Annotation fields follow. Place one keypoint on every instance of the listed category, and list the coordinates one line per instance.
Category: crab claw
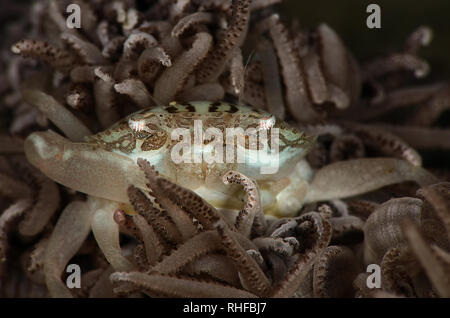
(355, 177)
(82, 166)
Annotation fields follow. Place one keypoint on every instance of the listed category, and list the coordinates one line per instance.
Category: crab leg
(73, 227)
(82, 167)
(106, 232)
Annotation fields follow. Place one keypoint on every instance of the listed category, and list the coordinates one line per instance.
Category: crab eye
(267, 123)
(137, 125)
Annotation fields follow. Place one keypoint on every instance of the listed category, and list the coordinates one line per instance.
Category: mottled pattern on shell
(163, 120)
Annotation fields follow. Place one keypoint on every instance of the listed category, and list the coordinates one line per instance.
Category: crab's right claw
(355, 177)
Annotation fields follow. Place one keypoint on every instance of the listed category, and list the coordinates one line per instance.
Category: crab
(105, 165)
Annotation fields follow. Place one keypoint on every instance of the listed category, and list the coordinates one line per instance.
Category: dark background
(398, 19)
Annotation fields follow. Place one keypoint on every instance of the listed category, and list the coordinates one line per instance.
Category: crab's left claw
(82, 167)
